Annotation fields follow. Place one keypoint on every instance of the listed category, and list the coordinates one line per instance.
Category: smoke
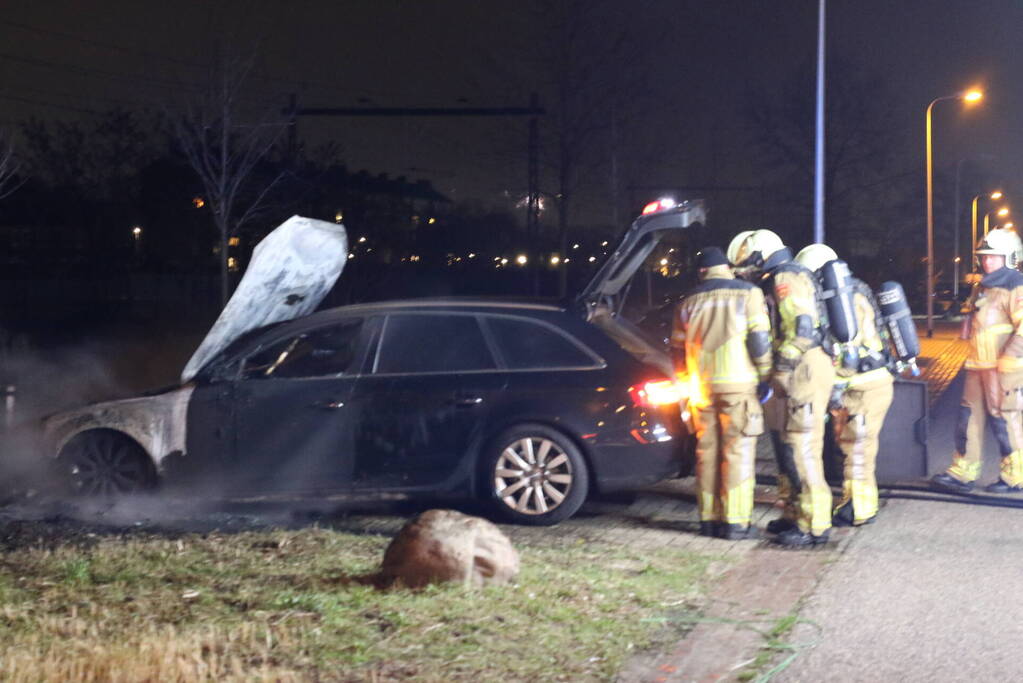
(39, 378)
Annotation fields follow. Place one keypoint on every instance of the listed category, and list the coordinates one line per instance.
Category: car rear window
(433, 343)
(525, 344)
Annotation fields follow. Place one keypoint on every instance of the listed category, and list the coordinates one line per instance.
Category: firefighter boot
(1011, 479)
(946, 483)
(712, 529)
(844, 516)
(794, 538)
(1001, 487)
(781, 525)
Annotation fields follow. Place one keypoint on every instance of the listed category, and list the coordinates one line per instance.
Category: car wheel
(535, 475)
(106, 463)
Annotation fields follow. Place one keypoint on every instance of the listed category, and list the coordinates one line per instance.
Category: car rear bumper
(626, 466)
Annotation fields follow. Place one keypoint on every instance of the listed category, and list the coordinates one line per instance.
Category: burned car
(527, 406)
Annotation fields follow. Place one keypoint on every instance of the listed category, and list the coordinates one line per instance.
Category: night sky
(706, 61)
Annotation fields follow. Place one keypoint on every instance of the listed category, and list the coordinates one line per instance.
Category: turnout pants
(795, 417)
(857, 426)
(726, 444)
(984, 398)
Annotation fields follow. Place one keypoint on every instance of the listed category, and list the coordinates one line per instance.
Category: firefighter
(863, 392)
(721, 336)
(994, 371)
(802, 380)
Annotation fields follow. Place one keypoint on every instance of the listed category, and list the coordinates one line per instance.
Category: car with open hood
(527, 406)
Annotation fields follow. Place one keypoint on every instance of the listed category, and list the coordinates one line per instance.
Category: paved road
(930, 593)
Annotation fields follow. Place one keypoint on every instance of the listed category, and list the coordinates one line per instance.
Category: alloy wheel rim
(533, 475)
(106, 469)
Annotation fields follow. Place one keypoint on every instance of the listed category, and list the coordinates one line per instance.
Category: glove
(764, 392)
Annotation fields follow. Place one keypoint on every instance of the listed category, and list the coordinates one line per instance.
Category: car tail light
(657, 393)
(666, 392)
(659, 205)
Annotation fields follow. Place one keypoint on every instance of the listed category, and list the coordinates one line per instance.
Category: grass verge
(301, 605)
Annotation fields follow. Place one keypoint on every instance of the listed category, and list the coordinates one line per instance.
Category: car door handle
(466, 401)
(329, 405)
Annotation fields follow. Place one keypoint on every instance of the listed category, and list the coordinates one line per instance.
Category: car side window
(326, 352)
(526, 345)
(415, 343)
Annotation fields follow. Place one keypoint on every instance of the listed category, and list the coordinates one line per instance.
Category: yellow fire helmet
(733, 246)
(758, 247)
(1002, 242)
(814, 256)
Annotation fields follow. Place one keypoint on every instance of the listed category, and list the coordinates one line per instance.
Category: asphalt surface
(929, 593)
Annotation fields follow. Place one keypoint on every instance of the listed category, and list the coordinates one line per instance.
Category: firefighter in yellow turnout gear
(721, 335)
(994, 371)
(802, 381)
(866, 388)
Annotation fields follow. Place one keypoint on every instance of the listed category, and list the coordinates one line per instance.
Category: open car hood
(290, 273)
(639, 240)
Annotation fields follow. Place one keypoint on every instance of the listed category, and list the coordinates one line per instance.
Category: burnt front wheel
(535, 475)
(106, 463)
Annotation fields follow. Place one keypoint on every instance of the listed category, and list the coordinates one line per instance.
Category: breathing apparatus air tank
(837, 283)
(906, 345)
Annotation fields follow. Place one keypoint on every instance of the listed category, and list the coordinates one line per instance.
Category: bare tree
(226, 140)
(10, 165)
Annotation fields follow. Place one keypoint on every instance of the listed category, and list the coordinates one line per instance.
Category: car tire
(534, 475)
(105, 463)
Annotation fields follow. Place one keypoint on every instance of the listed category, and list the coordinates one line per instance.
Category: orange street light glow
(973, 95)
(1003, 211)
(997, 194)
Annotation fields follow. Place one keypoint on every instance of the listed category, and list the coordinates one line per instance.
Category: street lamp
(973, 249)
(1001, 213)
(966, 96)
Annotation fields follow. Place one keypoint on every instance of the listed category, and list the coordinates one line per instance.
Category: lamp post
(973, 248)
(955, 223)
(967, 96)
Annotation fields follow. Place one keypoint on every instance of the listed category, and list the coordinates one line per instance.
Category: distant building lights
(136, 232)
(592, 259)
(521, 259)
(198, 202)
(351, 255)
(362, 239)
(432, 221)
(664, 261)
(338, 217)
(575, 246)
(504, 262)
(555, 260)
(604, 243)
(471, 255)
(233, 241)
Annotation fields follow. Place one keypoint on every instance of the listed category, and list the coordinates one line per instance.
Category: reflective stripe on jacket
(723, 331)
(996, 329)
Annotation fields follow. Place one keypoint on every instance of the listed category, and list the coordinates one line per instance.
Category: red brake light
(659, 205)
(658, 393)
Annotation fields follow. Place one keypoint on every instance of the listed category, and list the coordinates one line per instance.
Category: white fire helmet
(1002, 242)
(733, 246)
(814, 256)
(759, 246)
